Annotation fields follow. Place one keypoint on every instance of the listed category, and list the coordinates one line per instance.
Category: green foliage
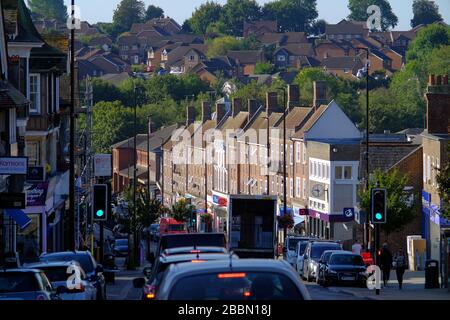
(318, 27)
(428, 39)
(291, 15)
(264, 68)
(358, 12)
(111, 29)
(286, 221)
(48, 9)
(443, 180)
(127, 13)
(85, 40)
(104, 91)
(138, 68)
(204, 16)
(220, 46)
(399, 212)
(425, 12)
(147, 210)
(235, 12)
(182, 211)
(153, 12)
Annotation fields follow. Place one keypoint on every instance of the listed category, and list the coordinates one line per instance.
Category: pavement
(413, 289)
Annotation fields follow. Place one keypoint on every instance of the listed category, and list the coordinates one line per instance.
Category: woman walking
(400, 264)
(385, 263)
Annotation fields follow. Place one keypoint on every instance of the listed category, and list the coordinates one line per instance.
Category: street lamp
(71, 223)
(284, 152)
(366, 225)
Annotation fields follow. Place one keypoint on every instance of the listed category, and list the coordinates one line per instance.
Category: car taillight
(78, 290)
(247, 294)
(41, 297)
(150, 291)
(195, 251)
(231, 275)
(150, 296)
(197, 261)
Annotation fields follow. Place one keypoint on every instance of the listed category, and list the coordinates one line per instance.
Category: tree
(264, 68)
(203, 16)
(358, 12)
(425, 12)
(286, 222)
(318, 27)
(48, 9)
(236, 12)
(428, 39)
(182, 211)
(443, 180)
(291, 15)
(104, 91)
(153, 12)
(220, 46)
(399, 209)
(127, 13)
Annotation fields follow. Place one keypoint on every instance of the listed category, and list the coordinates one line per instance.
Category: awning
(19, 217)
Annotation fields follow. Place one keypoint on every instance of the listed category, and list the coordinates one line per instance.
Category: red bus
(171, 226)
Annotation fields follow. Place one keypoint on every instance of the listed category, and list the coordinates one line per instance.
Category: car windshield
(293, 243)
(121, 242)
(83, 259)
(326, 257)
(317, 251)
(236, 286)
(302, 247)
(55, 274)
(176, 227)
(18, 282)
(347, 259)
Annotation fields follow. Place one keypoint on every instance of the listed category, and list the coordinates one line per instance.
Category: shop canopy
(19, 217)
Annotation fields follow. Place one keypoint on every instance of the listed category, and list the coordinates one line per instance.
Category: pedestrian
(400, 265)
(356, 247)
(385, 263)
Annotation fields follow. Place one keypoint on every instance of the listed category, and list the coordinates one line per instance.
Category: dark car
(120, 248)
(345, 268)
(323, 263)
(193, 249)
(93, 270)
(169, 241)
(155, 274)
(311, 257)
(26, 284)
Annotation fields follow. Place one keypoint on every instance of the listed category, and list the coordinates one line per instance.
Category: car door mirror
(147, 271)
(99, 268)
(139, 283)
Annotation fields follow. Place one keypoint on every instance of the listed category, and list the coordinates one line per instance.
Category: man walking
(356, 247)
(385, 263)
(400, 265)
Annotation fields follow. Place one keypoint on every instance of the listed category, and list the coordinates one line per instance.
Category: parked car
(93, 270)
(345, 267)
(300, 251)
(193, 249)
(323, 263)
(233, 279)
(58, 272)
(290, 246)
(155, 274)
(313, 252)
(26, 284)
(120, 247)
(154, 232)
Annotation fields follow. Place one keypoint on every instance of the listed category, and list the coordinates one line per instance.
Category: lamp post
(71, 222)
(135, 238)
(366, 224)
(149, 119)
(284, 155)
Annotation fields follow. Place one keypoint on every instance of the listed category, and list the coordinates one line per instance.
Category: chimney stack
(252, 108)
(438, 105)
(271, 102)
(190, 115)
(221, 111)
(320, 94)
(293, 96)
(236, 107)
(206, 111)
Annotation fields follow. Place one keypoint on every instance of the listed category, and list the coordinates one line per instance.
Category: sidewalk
(413, 289)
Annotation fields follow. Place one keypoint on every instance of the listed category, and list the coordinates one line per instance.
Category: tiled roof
(271, 38)
(246, 56)
(346, 27)
(302, 49)
(300, 132)
(341, 62)
(10, 97)
(295, 37)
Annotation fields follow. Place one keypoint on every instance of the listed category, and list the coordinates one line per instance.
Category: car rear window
(346, 259)
(83, 259)
(185, 240)
(55, 274)
(317, 251)
(18, 282)
(236, 286)
(292, 243)
(303, 247)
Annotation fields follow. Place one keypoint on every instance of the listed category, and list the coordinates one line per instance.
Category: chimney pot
(221, 111)
(252, 108)
(271, 102)
(206, 111)
(431, 80)
(236, 107)
(293, 95)
(190, 115)
(445, 79)
(439, 80)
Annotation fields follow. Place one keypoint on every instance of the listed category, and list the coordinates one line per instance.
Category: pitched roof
(127, 39)
(271, 38)
(346, 27)
(17, 14)
(300, 132)
(157, 138)
(179, 52)
(295, 37)
(302, 49)
(10, 97)
(341, 62)
(246, 56)
(256, 25)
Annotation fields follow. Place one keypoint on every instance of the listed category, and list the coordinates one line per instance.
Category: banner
(37, 194)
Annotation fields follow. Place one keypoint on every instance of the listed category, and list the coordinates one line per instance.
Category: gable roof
(346, 27)
(270, 25)
(341, 62)
(300, 131)
(246, 56)
(302, 49)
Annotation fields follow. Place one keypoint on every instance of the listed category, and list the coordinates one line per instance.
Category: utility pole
(135, 247)
(71, 218)
(285, 107)
(149, 119)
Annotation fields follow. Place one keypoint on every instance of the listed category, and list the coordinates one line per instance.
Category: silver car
(232, 279)
(311, 257)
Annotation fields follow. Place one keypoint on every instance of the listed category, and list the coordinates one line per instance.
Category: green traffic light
(378, 216)
(99, 213)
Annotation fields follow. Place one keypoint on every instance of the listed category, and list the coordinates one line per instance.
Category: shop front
(299, 219)
(219, 205)
(331, 226)
(431, 226)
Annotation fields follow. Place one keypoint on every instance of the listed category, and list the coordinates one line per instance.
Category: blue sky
(330, 10)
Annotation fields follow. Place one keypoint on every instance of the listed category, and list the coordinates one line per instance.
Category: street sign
(349, 212)
(13, 165)
(102, 165)
(360, 217)
(36, 174)
(12, 201)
